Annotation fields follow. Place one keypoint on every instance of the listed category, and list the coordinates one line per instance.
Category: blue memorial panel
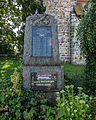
(41, 41)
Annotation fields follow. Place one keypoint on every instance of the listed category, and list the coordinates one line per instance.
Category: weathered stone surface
(76, 57)
(27, 70)
(41, 20)
(39, 64)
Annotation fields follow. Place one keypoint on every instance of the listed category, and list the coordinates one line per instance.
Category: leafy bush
(71, 106)
(86, 34)
(6, 48)
(18, 103)
(76, 80)
(16, 79)
(7, 67)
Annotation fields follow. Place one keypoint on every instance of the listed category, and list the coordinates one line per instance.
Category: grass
(74, 74)
(8, 65)
(73, 70)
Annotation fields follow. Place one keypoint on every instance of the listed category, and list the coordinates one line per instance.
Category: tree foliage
(86, 34)
(28, 8)
(13, 14)
(7, 35)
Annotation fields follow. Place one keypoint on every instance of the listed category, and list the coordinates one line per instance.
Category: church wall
(76, 57)
(61, 10)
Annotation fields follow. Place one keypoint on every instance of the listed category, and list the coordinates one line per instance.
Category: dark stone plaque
(43, 80)
(41, 41)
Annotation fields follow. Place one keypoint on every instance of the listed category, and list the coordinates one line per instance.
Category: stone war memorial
(42, 70)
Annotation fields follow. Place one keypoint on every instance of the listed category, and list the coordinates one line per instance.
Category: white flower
(87, 105)
(62, 91)
(85, 95)
(66, 101)
(58, 98)
(57, 93)
(90, 98)
(77, 98)
(67, 86)
(75, 111)
(71, 103)
(62, 104)
(72, 86)
(82, 101)
(10, 89)
(68, 109)
(72, 114)
(80, 88)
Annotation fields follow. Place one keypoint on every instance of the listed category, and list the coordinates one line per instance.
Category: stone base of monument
(49, 79)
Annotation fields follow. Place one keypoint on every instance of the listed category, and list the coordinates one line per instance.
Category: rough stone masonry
(67, 21)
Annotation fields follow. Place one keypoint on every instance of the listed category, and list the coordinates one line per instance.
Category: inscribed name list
(43, 80)
(41, 41)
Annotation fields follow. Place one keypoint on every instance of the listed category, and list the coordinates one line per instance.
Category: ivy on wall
(86, 34)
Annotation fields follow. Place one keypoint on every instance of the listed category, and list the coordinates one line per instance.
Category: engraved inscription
(43, 80)
(41, 41)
